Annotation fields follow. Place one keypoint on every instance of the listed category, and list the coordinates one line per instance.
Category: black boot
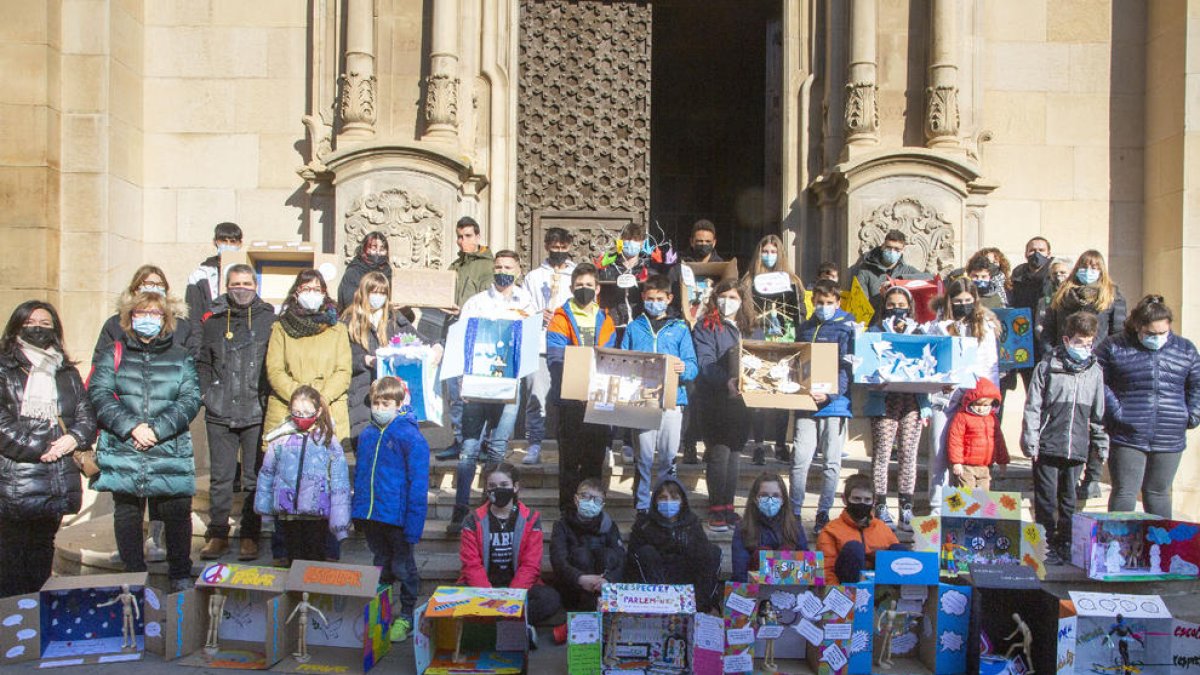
(759, 455)
(783, 453)
(689, 454)
(456, 520)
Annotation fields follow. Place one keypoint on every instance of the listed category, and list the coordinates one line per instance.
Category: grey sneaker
(533, 455)
(906, 516)
(884, 516)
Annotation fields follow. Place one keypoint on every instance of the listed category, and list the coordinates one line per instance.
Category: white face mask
(377, 300)
(728, 306)
(311, 300)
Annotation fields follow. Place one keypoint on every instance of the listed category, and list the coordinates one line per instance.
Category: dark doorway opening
(715, 121)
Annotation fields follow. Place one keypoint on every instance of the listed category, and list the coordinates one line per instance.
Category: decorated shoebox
(1119, 634)
(914, 363)
(785, 375)
(621, 388)
(462, 631)
(243, 613)
(491, 356)
(1016, 338)
(347, 620)
(1131, 546)
(416, 364)
(696, 283)
(1011, 615)
(276, 264)
(980, 527)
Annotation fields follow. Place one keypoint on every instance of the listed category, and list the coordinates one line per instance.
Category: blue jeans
(395, 556)
(454, 396)
(500, 419)
(535, 407)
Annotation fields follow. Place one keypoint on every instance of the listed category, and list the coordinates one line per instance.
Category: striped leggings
(902, 417)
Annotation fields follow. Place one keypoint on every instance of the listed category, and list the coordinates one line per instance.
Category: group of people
(288, 391)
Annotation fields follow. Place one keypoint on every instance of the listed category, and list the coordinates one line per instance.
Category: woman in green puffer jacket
(145, 391)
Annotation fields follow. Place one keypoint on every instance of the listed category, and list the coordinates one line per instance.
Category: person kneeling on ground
(668, 546)
(586, 551)
(850, 541)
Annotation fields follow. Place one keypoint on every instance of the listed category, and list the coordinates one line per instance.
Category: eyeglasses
(306, 289)
(148, 312)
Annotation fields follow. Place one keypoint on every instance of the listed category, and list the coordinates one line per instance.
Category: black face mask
(242, 297)
(558, 258)
(702, 250)
(38, 336)
(1036, 260)
(375, 259)
(896, 313)
(861, 513)
(502, 497)
(583, 296)
(962, 311)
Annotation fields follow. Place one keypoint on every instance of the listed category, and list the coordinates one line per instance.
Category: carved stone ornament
(358, 98)
(411, 223)
(862, 111)
(930, 235)
(441, 100)
(941, 118)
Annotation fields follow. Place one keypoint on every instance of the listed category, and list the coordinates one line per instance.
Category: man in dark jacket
(233, 381)
(882, 263)
(203, 288)
(703, 243)
(1030, 283)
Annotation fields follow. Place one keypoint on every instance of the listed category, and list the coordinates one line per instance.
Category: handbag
(86, 460)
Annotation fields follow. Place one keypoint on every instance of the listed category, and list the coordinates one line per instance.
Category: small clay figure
(1155, 559)
(948, 548)
(216, 612)
(304, 608)
(129, 611)
(768, 616)
(890, 623)
(1124, 633)
(1025, 644)
(1134, 560)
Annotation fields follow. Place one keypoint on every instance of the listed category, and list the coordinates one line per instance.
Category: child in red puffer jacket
(974, 442)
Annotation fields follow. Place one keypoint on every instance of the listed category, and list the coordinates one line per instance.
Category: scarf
(41, 389)
(300, 324)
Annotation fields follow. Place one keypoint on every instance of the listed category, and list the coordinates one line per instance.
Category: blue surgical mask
(590, 508)
(631, 247)
(891, 256)
(1078, 354)
(669, 508)
(227, 248)
(1087, 275)
(503, 280)
(656, 308)
(147, 326)
(770, 506)
(377, 300)
(383, 416)
(1155, 342)
(825, 312)
(769, 259)
(984, 285)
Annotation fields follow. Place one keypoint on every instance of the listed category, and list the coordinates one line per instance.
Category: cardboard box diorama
(1120, 634)
(1130, 546)
(696, 283)
(463, 630)
(914, 363)
(1012, 618)
(414, 362)
(344, 626)
(785, 375)
(621, 388)
(653, 629)
(276, 264)
(980, 527)
(492, 355)
(242, 612)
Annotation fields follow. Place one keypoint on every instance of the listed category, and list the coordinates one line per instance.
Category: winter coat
(871, 271)
(1054, 321)
(391, 475)
(474, 552)
(352, 277)
(201, 293)
(790, 304)
(362, 376)
(744, 553)
(681, 543)
(156, 383)
(840, 331)
(1064, 410)
(186, 335)
(231, 363)
(1151, 398)
(30, 488)
(674, 338)
(724, 420)
(976, 440)
(876, 536)
(321, 361)
(564, 332)
(302, 476)
(622, 304)
(474, 272)
(598, 539)
(1028, 286)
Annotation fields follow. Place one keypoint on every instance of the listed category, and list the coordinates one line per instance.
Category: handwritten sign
(837, 602)
(741, 604)
(834, 656)
(328, 576)
(740, 636)
(810, 631)
(838, 631)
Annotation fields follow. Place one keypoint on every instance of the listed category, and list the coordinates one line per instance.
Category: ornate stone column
(941, 111)
(441, 87)
(358, 82)
(862, 111)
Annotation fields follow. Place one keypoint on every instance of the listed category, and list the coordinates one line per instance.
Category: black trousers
(541, 604)
(589, 561)
(1054, 480)
(649, 566)
(26, 554)
(581, 448)
(394, 556)
(223, 445)
(176, 515)
(305, 539)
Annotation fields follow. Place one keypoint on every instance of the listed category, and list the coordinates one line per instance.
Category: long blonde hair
(1106, 289)
(781, 263)
(357, 314)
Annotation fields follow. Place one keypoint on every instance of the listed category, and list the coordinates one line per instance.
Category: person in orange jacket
(975, 442)
(849, 542)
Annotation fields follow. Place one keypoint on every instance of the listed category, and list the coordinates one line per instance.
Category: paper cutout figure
(1124, 633)
(129, 611)
(891, 624)
(1112, 557)
(304, 608)
(1025, 644)
(216, 612)
(1155, 559)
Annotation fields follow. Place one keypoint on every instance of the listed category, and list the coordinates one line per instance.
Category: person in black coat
(586, 550)
(45, 415)
(233, 382)
(668, 546)
(372, 256)
(150, 279)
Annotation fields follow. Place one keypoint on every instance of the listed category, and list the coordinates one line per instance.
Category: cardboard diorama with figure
(1013, 620)
(276, 264)
(339, 619)
(463, 630)
(785, 375)
(914, 363)
(1134, 546)
(1118, 634)
(621, 388)
(980, 527)
(243, 612)
(696, 283)
(416, 363)
(492, 355)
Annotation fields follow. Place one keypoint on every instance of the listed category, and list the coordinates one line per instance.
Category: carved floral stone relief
(930, 235)
(412, 224)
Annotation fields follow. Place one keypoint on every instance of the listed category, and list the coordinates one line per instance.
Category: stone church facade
(131, 127)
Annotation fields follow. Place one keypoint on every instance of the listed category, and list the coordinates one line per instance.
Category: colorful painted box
(1016, 338)
(914, 363)
(250, 608)
(784, 626)
(415, 365)
(621, 388)
(980, 527)
(1133, 546)
(1115, 633)
(1004, 595)
(463, 630)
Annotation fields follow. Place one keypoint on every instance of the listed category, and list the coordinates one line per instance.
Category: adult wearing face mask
(1030, 278)
(850, 541)
(149, 279)
(884, 262)
(668, 546)
(703, 244)
(1151, 400)
(232, 371)
(766, 525)
(145, 391)
(202, 288)
(372, 256)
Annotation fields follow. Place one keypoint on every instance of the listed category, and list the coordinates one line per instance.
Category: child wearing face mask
(621, 291)
(304, 483)
(668, 546)
(586, 551)
(767, 524)
(850, 541)
(391, 484)
(974, 441)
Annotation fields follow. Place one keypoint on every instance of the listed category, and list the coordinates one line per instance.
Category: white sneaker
(154, 548)
(533, 455)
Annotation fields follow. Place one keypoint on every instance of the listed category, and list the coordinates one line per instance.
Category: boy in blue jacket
(825, 429)
(656, 330)
(391, 486)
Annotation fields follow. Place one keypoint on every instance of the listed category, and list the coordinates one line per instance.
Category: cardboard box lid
(1008, 577)
(455, 601)
(328, 578)
(96, 581)
(1089, 603)
(244, 577)
(817, 372)
(647, 599)
(420, 287)
(714, 270)
(918, 568)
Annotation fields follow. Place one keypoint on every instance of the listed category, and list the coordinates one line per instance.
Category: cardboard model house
(1115, 633)
(621, 388)
(655, 628)
(696, 284)
(276, 264)
(914, 363)
(980, 527)
(785, 375)
(1009, 607)
(249, 608)
(462, 631)
(491, 356)
(1129, 546)
(414, 363)
(347, 627)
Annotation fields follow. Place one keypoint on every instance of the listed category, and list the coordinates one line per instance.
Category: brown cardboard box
(253, 633)
(69, 604)
(424, 288)
(815, 369)
(276, 264)
(21, 630)
(713, 274)
(174, 624)
(606, 377)
(353, 636)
